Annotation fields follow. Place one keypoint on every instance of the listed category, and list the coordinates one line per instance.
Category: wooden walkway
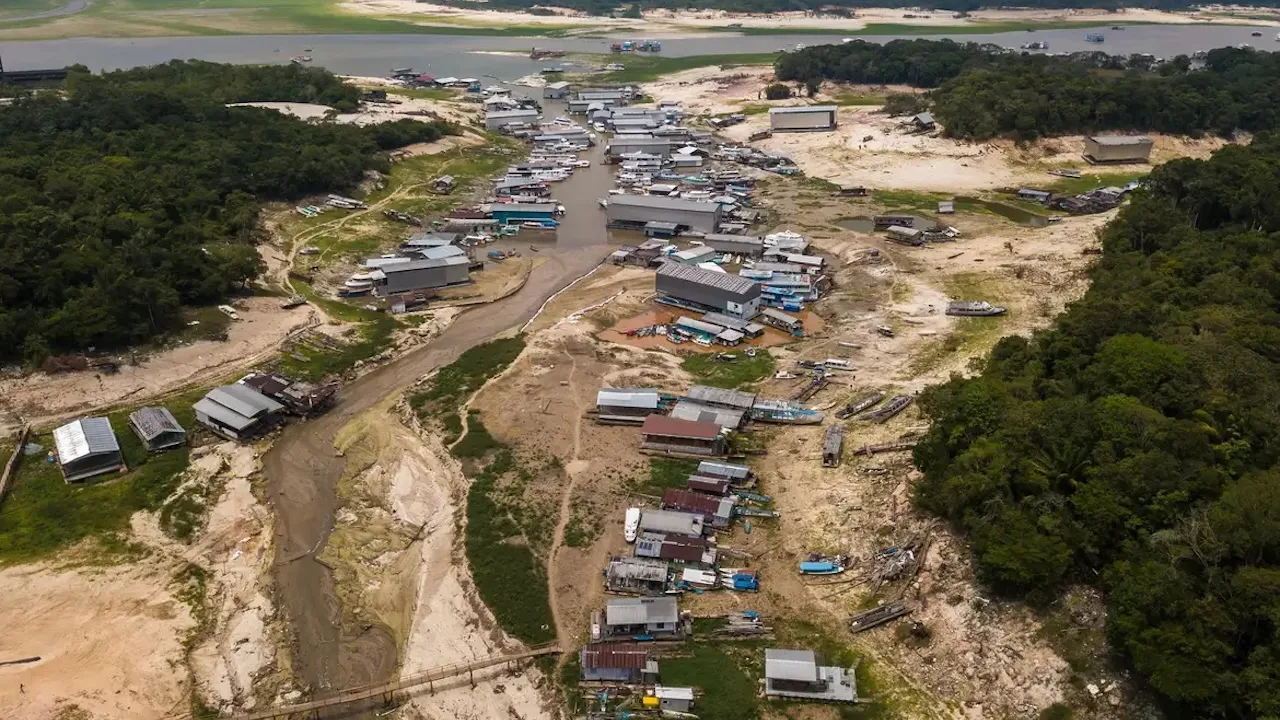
(384, 691)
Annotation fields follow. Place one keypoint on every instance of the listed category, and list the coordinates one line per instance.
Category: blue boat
(820, 567)
(1095, 37)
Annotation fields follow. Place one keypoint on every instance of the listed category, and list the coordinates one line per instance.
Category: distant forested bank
(981, 93)
(1136, 444)
(828, 7)
(137, 192)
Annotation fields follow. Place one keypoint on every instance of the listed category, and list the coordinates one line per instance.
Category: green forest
(136, 193)
(1136, 444)
(980, 93)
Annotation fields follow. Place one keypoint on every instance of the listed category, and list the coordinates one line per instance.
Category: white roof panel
(84, 437)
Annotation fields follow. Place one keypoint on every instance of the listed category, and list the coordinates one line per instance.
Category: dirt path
(303, 468)
(573, 468)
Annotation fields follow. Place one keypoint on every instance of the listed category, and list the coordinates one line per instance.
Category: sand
(676, 23)
(41, 398)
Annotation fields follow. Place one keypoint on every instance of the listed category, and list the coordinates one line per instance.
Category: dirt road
(302, 468)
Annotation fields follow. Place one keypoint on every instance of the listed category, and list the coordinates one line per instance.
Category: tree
(811, 86)
(777, 91)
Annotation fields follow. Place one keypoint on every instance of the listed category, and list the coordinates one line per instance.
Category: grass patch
(725, 673)
(651, 67)
(315, 363)
(585, 524)
(753, 109)
(1091, 181)
(666, 473)
(426, 93)
(507, 574)
(909, 201)
(709, 371)
(191, 586)
(43, 514)
(448, 389)
(477, 441)
(848, 97)
(973, 336)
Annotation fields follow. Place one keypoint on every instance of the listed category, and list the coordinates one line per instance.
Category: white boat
(603, 202)
(631, 525)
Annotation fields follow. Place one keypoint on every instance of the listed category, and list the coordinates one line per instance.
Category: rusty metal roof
(671, 427)
(623, 656)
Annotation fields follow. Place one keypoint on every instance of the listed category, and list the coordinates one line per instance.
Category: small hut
(157, 428)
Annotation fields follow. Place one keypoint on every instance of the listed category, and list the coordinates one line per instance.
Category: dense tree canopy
(1138, 440)
(138, 192)
(981, 93)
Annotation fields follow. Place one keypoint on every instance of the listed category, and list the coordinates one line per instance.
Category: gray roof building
(1117, 148)
(641, 611)
(157, 428)
(715, 291)
(419, 275)
(796, 674)
(727, 418)
(87, 447)
(803, 118)
(721, 397)
(427, 238)
(730, 471)
(636, 210)
(749, 245)
(237, 411)
(671, 522)
(498, 119)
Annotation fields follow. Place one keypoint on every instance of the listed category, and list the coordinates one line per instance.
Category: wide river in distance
(463, 56)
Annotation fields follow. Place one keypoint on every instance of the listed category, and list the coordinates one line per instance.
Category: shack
(555, 91)
(675, 699)
(617, 662)
(880, 222)
(500, 119)
(905, 235)
(748, 329)
(715, 511)
(695, 255)
(238, 412)
(682, 437)
(1103, 149)
(695, 288)
(648, 617)
(87, 447)
(736, 474)
(157, 428)
(797, 674)
(725, 418)
(628, 407)
(782, 321)
(832, 446)
(298, 398)
(636, 575)
(923, 121)
(679, 548)
(721, 397)
(804, 118)
(708, 485)
(444, 184)
(669, 522)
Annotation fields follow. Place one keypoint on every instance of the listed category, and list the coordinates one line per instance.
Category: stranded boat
(784, 412)
(863, 403)
(896, 404)
(979, 308)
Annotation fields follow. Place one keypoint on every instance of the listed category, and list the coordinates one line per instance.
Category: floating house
(636, 575)
(555, 91)
(418, 275)
(669, 522)
(803, 118)
(1103, 149)
(87, 448)
(682, 437)
(782, 321)
(736, 474)
(715, 511)
(634, 211)
(630, 407)
(796, 674)
(500, 119)
(832, 446)
(238, 412)
(694, 287)
(679, 548)
(157, 428)
(643, 616)
(617, 662)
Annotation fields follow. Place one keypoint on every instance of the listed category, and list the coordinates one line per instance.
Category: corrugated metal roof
(720, 281)
(1121, 139)
(222, 414)
(802, 109)
(690, 501)
(244, 400)
(522, 207)
(497, 114)
(700, 326)
(694, 253)
(84, 437)
(693, 411)
(715, 486)
(781, 316)
(711, 468)
(667, 521)
(721, 396)
(645, 399)
(924, 118)
(439, 253)
(670, 427)
(725, 321)
(614, 656)
(423, 264)
(661, 202)
(643, 570)
(641, 611)
(151, 422)
(799, 665)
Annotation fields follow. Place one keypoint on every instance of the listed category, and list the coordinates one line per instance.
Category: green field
(651, 67)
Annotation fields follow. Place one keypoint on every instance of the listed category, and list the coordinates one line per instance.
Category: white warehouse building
(803, 118)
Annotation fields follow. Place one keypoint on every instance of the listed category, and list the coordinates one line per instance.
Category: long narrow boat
(857, 406)
(896, 404)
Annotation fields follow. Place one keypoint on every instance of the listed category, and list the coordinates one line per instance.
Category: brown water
(302, 468)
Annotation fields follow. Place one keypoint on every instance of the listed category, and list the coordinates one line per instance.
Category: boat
(1277, 37)
(1117, 27)
(896, 404)
(615, 66)
(401, 71)
(1256, 33)
(631, 525)
(299, 59)
(978, 308)
(820, 567)
(1095, 37)
(863, 403)
(784, 412)
(552, 70)
(1037, 45)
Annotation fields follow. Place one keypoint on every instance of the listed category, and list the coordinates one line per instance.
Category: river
(302, 468)
(463, 56)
